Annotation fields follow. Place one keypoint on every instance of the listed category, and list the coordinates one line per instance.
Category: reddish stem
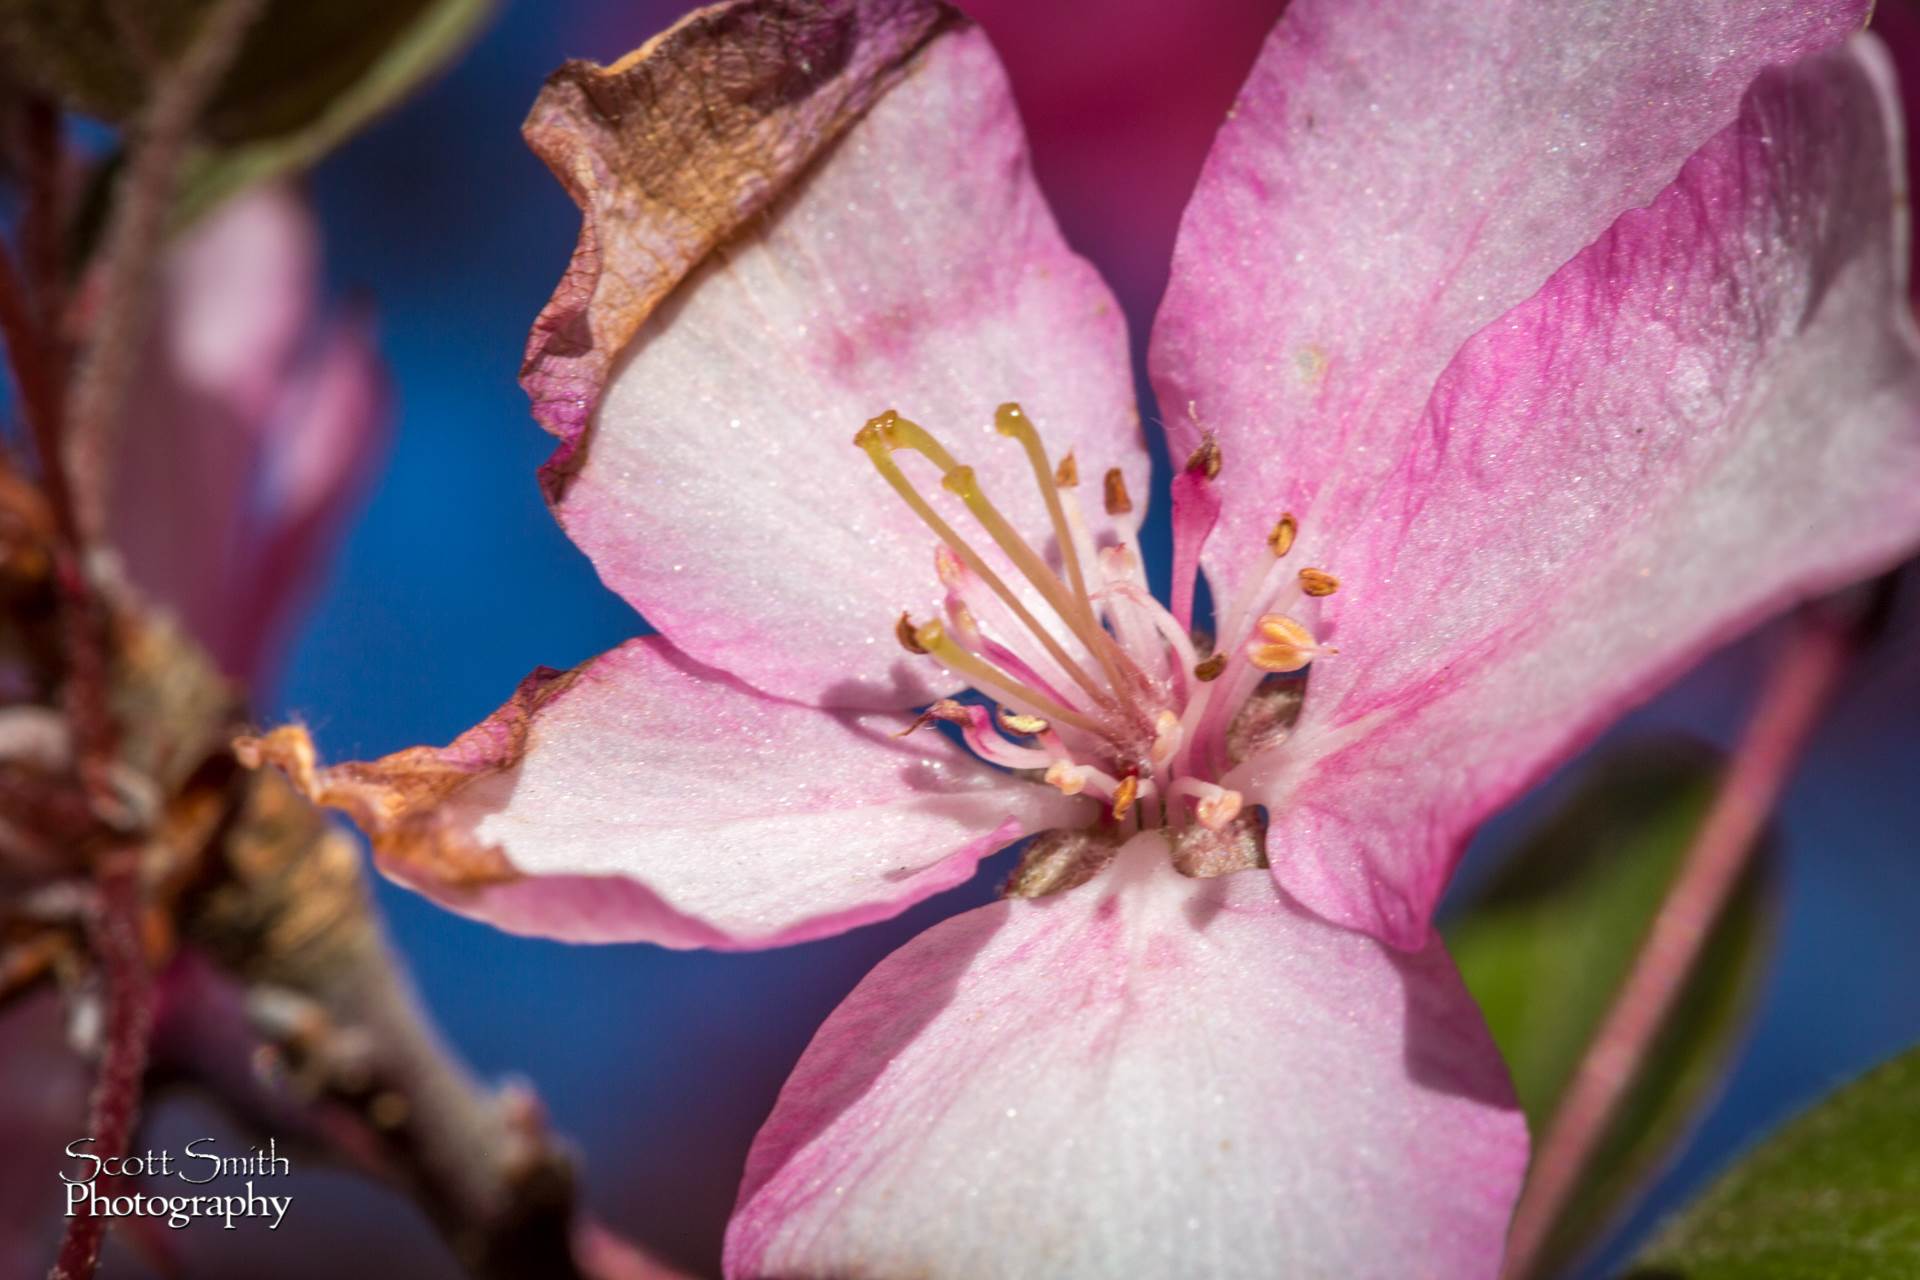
(1797, 690)
(123, 1060)
(42, 245)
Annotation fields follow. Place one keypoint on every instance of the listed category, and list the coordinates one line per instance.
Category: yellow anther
(1218, 809)
(889, 431)
(1166, 738)
(1118, 501)
(1070, 778)
(1280, 541)
(1318, 582)
(1124, 796)
(930, 636)
(903, 632)
(1020, 724)
(1281, 644)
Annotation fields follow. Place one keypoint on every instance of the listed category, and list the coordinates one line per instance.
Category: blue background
(455, 582)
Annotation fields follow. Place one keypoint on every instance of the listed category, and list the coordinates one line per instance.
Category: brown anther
(1118, 503)
(1210, 668)
(1019, 723)
(1124, 796)
(1280, 541)
(1206, 459)
(944, 709)
(1067, 474)
(903, 632)
(1318, 582)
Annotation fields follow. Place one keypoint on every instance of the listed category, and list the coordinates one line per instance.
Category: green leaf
(306, 77)
(434, 34)
(1834, 1194)
(1547, 946)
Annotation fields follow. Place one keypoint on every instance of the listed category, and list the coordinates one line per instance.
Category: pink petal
(237, 297)
(1711, 412)
(249, 439)
(817, 277)
(1394, 177)
(1145, 1076)
(323, 440)
(642, 797)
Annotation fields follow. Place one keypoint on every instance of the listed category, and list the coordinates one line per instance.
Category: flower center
(1100, 689)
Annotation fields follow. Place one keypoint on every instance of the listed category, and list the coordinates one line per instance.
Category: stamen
(1206, 459)
(1076, 613)
(1071, 778)
(1008, 420)
(947, 567)
(1124, 795)
(1282, 644)
(1162, 622)
(1067, 474)
(1214, 806)
(1318, 582)
(1280, 541)
(1118, 502)
(1020, 724)
(1166, 739)
(903, 632)
(941, 709)
(933, 637)
(977, 729)
(878, 440)
(1211, 668)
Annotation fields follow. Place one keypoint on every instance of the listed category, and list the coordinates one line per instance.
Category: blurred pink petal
(646, 798)
(1709, 413)
(252, 431)
(712, 479)
(1148, 1076)
(1392, 178)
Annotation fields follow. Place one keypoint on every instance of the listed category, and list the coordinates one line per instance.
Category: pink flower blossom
(255, 425)
(1514, 355)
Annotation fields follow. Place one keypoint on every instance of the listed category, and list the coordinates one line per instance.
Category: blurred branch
(131, 249)
(351, 1056)
(115, 1108)
(1797, 690)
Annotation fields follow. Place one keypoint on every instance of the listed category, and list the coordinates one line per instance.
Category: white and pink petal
(642, 797)
(1711, 412)
(1148, 1075)
(777, 248)
(1393, 177)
